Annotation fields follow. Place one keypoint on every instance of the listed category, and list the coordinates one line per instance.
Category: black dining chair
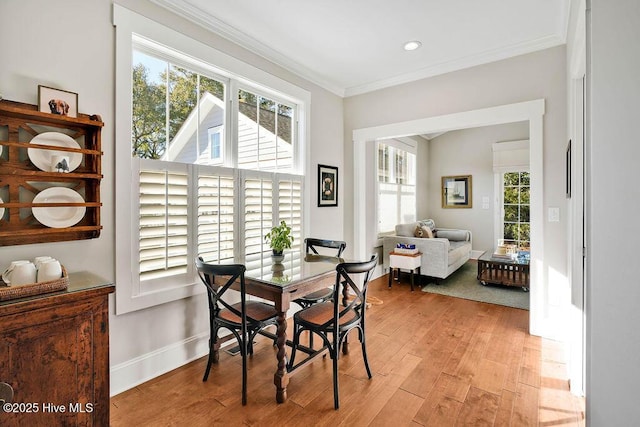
(243, 319)
(335, 319)
(312, 246)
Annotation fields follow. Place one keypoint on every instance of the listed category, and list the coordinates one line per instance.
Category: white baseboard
(143, 368)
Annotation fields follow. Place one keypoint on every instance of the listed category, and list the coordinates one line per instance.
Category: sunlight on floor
(557, 405)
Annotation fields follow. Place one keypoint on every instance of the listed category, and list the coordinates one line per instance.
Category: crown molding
(486, 57)
(211, 23)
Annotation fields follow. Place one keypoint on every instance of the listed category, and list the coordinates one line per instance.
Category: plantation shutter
(290, 210)
(216, 218)
(163, 224)
(258, 215)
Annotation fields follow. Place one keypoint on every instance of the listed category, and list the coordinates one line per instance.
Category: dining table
(282, 283)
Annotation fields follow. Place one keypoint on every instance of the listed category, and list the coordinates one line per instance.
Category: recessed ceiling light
(412, 45)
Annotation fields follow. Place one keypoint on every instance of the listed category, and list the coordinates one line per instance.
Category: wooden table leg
(345, 343)
(281, 377)
(216, 349)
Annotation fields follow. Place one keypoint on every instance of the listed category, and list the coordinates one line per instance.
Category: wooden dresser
(54, 353)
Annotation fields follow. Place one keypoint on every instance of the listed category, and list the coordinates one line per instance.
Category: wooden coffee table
(503, 271)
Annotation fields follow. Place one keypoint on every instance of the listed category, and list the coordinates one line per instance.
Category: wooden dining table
(282, 284)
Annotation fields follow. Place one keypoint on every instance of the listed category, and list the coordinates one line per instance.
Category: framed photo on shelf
(57, 101)
(327, 186)
(456, 191)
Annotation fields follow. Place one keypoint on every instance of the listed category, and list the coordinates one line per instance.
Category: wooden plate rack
(21, 180)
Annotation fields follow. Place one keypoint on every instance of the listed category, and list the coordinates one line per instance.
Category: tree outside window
(517, 190)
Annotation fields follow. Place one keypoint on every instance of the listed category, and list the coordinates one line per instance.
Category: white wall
(613, 287)
(576, 66)
(469, 152)
(70, 45)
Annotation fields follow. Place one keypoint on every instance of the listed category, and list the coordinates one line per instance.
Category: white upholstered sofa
(443, 254)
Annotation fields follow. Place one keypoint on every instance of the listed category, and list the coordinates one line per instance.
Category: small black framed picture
(57, 101)
(327, 186)
(568, 171)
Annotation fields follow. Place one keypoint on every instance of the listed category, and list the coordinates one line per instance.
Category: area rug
(463, 284)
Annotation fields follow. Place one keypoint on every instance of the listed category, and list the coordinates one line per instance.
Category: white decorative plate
(1, 209)
(59, 216)
(42, 158)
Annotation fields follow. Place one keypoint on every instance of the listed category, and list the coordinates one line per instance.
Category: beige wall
(613, 288)
(523, 78)
(469, 152)
(70, 45)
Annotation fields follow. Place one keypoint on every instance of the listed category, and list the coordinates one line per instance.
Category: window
(516, 219)
(265, 133)
(396, 185)
(215, 144)
(178, 117)
(206, 176)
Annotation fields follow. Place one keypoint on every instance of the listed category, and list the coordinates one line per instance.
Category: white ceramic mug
(49, 270)
(6, 275)
(22, 274)
(40, 259)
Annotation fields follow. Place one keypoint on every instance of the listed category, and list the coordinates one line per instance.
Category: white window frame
(129, 295)
(499, 185)
(508, 156)
(409, 146)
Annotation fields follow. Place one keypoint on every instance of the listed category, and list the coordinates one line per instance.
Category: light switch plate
(554, 214)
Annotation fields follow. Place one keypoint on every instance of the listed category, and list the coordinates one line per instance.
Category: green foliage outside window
(179, 87)
(517, 196)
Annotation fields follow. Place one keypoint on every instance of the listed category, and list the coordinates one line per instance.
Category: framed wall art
(568, 171)
(456, 191)
(327, 186)
(57, 101)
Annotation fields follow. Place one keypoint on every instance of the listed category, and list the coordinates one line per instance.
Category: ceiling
(355, 46)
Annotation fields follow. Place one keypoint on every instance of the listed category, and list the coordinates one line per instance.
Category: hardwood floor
(436, 361)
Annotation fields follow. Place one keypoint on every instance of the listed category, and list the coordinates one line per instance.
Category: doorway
(530, 111)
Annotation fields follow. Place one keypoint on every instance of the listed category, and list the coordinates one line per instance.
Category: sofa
(442, 254)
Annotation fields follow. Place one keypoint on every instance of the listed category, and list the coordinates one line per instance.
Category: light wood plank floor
(436, 361)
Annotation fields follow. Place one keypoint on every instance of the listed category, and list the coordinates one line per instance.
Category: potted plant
(279, 239)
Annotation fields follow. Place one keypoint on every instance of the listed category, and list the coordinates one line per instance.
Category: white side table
(404, 262)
